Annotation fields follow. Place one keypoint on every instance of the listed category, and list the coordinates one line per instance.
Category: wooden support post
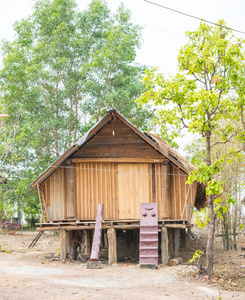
(88, 241)
(74, 244)
(105, 239)
(112, 243)
(164, 246)
(68, 241)
(170, 243)
(183, 238)
(176, 242)
(63, 244)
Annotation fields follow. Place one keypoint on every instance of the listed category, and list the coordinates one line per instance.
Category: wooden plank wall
(96, 183)
(124, 143)
(74, 192)
(53, 192)
(181, 194)
(121, 187)
(134, 181)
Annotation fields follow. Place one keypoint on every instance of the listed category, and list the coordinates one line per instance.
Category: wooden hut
(118, 165)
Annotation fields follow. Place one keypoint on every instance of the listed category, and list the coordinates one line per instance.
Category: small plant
(4, 249)
(196, 257)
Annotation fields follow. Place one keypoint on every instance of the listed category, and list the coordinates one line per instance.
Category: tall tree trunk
(98, 113)
(211, 230)
(211, 225)
(234, 228)
(76, 115)
(70, 118)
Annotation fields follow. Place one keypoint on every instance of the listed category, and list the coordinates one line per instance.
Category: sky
(164, 30)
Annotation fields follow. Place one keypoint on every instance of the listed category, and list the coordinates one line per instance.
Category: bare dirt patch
(29, 274)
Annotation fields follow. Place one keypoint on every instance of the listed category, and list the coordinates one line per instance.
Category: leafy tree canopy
(201, 97)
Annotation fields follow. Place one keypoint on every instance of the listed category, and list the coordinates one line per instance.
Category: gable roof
(152, 139)
(170, 152)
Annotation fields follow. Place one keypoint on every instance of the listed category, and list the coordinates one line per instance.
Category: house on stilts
(118, 165)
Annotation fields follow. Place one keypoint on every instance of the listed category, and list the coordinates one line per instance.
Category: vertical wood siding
(54, 195)
(73, 192)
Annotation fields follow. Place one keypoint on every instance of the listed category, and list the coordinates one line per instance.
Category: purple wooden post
(148, 235)
(95, 252)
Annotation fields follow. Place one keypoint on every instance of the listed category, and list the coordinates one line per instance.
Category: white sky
(164, 31)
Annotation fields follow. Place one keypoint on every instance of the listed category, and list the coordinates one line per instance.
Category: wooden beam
(45, 204)
(164, 246)
(106, 226)
(112, 246)
(117, 160)
(40, 201)
(179, 225)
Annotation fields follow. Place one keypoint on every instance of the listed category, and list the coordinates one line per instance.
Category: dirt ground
(29, 274)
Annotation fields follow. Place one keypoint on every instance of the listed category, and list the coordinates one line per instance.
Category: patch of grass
(4, 249)
(25, 228)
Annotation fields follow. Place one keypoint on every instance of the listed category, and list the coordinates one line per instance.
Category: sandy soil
(29, 274)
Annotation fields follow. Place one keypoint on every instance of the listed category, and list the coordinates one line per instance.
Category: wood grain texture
(124, 144)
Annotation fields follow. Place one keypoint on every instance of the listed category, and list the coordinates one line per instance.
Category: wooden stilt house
(116, 164)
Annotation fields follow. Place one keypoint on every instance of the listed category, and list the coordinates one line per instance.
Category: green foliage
(196, 256)
(199, 93)
(201, 98)
(4, 249)
(201, 218)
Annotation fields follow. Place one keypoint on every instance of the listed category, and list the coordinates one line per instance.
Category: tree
(64, 65)
(199, 97)
(63, 70)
